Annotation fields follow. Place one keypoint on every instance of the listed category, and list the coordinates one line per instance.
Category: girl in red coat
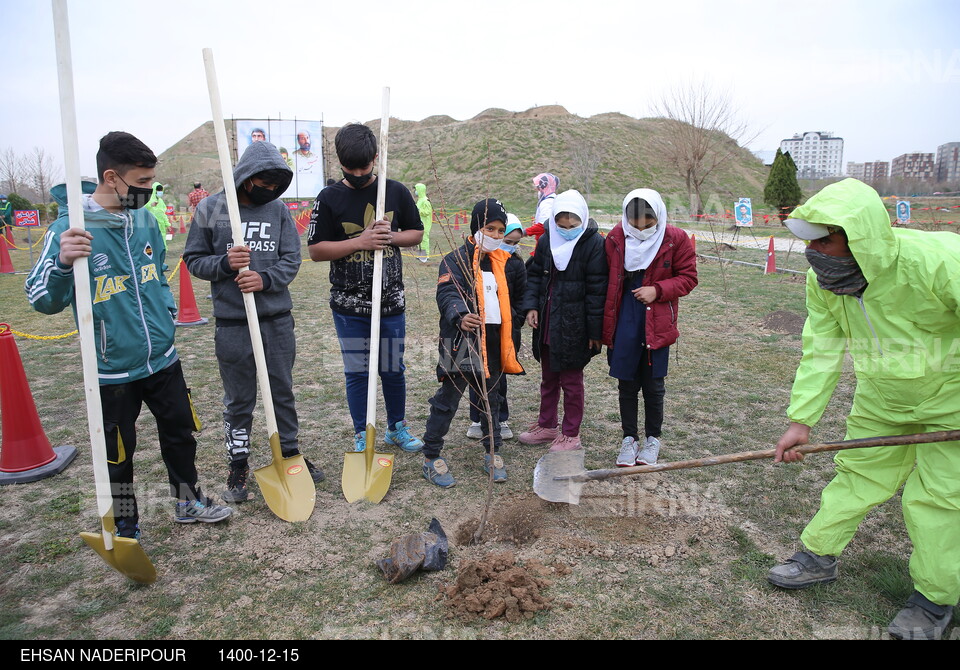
(651, 265)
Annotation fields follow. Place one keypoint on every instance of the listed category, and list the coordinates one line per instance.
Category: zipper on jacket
(870, 323)
(128, 232)
(103, 340)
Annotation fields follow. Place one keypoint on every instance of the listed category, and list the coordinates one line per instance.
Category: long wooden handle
(233, 210)
(885, 441)
(81, 273)
(377, 290)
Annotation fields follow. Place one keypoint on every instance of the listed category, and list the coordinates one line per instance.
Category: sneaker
(651, 450)
(237, 483)
(505, 432)
(537, 434)
(920, 619)
(628, 453)
(436, 472)
(804, 569)
(499, 470)
(360, 441)
(566, 443)
(474, 432)
(401, 437)
(191, 511)
(316, 474)
(126, 527)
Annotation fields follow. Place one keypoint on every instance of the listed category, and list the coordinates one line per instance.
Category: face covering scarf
(485, 243)
(838, 274)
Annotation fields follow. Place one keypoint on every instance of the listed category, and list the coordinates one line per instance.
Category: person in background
(196, 195)
(426, 218)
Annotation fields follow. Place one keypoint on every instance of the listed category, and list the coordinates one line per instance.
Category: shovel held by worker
(285, 483)
(367, 473)
(560, 476)
(122, 553)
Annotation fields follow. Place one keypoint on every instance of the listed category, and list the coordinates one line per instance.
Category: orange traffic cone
(771, 259)
(187, 314)
(183, 229)
(6, 265)
(693, 241)
(8, 233)
(25, 455)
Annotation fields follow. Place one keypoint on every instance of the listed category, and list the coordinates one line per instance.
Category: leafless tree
(701, 133)
(41, 172)
(12, 171)
(585, 158)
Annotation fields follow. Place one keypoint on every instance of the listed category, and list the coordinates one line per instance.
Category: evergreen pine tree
(782, 189)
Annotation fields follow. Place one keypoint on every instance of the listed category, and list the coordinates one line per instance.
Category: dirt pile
(518, 520)
(497, 586)
(782, 321)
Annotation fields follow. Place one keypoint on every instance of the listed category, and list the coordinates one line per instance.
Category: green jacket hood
(59, 192)
(421, 191)
(858, 209)
(258, 157)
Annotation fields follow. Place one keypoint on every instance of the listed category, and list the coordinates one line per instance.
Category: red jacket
(673, 272)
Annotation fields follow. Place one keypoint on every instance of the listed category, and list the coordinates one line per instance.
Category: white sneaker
(505, 432)
(651, 450)
(628, 453)
(474, 432)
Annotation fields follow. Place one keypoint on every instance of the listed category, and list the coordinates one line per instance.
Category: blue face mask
(510, 248)
(570, 233)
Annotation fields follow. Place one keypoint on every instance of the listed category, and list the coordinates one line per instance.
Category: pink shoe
(537, 434)
(566, 443)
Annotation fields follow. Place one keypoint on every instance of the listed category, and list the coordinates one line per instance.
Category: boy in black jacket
(478, 294)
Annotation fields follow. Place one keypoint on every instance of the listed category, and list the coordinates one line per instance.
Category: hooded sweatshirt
(903, 333)
(159, 210)
(268, 230)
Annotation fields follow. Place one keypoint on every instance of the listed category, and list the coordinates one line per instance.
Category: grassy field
(673, 555)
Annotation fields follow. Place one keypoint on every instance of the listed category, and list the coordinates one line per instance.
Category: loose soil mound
(497, 586)
(518, 521)
(782, 321)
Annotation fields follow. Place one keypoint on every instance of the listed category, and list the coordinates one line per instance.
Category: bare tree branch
(12, 171)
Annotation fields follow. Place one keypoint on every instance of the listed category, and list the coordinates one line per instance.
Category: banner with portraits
(299, 142)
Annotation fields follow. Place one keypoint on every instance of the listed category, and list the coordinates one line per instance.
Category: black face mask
(135, 197)
(261, 196)
(357, 181)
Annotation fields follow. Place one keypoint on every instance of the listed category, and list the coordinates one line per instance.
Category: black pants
(165, 393)
(653, 391)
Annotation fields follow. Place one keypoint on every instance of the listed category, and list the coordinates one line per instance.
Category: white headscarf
(639, 253)
(572, 202)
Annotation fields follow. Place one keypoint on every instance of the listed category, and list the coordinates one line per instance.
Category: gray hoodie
(269, 231)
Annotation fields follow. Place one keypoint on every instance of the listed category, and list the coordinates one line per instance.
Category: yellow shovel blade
(127, 557)
(286, 485)
(367, 473)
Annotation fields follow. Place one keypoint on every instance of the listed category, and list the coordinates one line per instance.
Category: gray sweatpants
(238, 370)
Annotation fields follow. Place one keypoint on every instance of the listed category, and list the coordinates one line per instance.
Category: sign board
(743, 212)
(903, 211)
(26, 217)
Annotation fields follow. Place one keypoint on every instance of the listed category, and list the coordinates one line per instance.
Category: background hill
(497, 152)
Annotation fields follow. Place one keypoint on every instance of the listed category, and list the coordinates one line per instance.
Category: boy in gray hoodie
(272, 252)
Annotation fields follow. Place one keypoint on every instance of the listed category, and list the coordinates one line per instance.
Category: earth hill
(497, 152)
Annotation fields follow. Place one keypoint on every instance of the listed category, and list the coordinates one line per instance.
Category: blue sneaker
(360, 441)
(126, 527)
(499, 469)
(191, 511)
(436, 472)
(401, 437)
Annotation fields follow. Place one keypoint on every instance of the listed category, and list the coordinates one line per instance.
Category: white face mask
(485, 243)
(646, 233)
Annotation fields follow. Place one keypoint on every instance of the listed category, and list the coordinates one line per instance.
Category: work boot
(804, 569)
(237, 482)
(920, 619)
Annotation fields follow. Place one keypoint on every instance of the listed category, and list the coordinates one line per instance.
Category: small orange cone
(6, 265)
(771, 259)
(693, 241)
(187, 314)
(8, 233)
(26, 454)
(183, 229)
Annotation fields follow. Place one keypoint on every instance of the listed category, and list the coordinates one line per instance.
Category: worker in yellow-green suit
(891, 297)
(426, 218)
(158, 208)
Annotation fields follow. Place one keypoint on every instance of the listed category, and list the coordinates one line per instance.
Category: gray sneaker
(207, 511)
(505, 432)
(650, 452)
(474, 432)
(628, 453)
(920, 619)
(804, 569)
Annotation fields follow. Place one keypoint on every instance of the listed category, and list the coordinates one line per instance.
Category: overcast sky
(882, 74)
